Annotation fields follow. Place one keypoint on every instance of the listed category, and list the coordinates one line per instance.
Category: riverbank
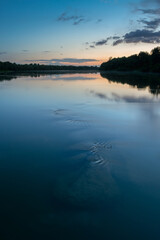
(47, 72)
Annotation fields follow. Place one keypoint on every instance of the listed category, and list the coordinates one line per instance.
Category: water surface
(79, 157)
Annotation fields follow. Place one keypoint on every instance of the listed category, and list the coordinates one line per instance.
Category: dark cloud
(102, 42)
(117, 42)
(92, 46)
(25, 50)
(74, 60)
(115, 38)
(151, 11)
(63, 60)
(151, 24)
(75, 19)
(139, 36)
(149, 33)
(63, 17)
(78, 21)
(145, 36)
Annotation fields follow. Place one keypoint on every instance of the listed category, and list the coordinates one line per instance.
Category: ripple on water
(89, 183)
(71, 118)
(60, 111)
(98, 151)
(85, 182)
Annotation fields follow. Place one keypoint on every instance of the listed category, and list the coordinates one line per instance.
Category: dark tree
(144, 62)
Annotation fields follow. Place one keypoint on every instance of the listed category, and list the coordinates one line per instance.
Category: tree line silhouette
(143, 62)
(8, 66)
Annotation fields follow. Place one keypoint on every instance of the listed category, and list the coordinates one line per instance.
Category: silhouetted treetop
(144, 62)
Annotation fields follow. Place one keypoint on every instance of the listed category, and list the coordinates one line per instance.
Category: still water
(79, 158)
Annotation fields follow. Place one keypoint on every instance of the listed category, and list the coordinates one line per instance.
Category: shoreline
(5, 73)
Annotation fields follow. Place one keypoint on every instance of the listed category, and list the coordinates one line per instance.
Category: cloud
(151, 24)
(78, 21)
(114, 38)
(151, 11)
(2, 53)
(64, 60)
(75, 19)
(101, 42)
(139, 36)
(74, 60)
(25, 50)
(148, 34)
(117, 42)
(63, 17)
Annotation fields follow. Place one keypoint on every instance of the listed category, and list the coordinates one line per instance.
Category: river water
(79, 158)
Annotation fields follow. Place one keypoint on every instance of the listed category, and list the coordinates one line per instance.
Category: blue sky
(77, 32)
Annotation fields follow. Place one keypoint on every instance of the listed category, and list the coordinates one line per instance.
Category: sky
(73, 32)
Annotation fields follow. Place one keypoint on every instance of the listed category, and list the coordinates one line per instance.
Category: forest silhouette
(14, 67)
(143, 62)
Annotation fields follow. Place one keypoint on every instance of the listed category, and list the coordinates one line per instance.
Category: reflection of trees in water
(155, 91)
(6, 78)
(139, 81)
(9, 77)
(36, 74)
